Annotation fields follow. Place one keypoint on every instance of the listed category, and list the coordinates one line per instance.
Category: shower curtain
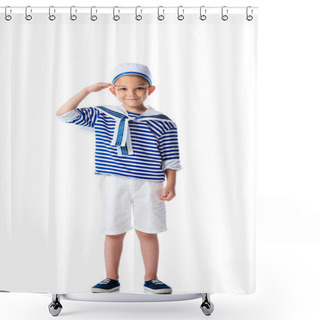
(205, 77)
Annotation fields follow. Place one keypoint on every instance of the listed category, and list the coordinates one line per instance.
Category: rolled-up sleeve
(169, 149)
(86, 117)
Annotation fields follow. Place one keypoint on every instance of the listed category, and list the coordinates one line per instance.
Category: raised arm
(75, 100)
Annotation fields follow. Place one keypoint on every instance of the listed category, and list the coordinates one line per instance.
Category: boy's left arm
(169, 149)
(169, 190)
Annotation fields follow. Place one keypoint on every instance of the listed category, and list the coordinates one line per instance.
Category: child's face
(132, 90)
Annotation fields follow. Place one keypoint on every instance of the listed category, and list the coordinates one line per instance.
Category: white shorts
(121, 196)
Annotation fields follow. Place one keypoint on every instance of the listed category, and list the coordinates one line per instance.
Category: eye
(122, 89)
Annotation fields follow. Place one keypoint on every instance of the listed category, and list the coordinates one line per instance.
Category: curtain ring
(28, 16)
(224, 17)
(180, 16)
(51, 16)
(138, 17)
(203, 16)
(93, 17)
(8, 17)
(160, 16)
(73, 16)
(249, 16)
(116, 17)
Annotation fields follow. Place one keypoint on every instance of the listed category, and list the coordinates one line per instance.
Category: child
(135, 147)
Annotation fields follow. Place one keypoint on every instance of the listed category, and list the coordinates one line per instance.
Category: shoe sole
(163, 291)
(99, 290)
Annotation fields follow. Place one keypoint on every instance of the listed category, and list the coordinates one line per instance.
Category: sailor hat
(128, 68)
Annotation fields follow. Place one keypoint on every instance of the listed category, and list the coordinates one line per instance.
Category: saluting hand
(99, 86)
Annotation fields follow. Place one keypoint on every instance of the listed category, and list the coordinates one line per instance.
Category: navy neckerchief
(121, 137)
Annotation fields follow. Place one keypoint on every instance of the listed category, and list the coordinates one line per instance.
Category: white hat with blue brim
(128, 68)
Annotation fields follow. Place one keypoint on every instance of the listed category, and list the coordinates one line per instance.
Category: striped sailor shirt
(151, 136)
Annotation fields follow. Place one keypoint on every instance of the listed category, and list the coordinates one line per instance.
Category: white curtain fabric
(205, 78)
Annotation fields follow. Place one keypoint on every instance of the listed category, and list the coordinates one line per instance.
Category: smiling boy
(136, 148)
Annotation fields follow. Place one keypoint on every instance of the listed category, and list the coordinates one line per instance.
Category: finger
(170, 196)
(106, 86)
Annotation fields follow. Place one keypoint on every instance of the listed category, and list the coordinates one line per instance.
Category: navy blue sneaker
(157, 286)
(106, 285)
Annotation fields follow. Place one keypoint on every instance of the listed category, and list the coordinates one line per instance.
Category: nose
(131, 93)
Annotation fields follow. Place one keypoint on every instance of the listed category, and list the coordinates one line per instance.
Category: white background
(288, 180)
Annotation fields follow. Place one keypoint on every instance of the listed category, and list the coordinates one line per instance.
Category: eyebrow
(141, 84)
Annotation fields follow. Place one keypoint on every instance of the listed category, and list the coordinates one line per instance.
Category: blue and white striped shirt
(154, 142)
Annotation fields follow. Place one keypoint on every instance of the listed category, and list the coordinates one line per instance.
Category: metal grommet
(203, 16)
(51, 16)
(138, 17)
(160, 16)
(73, 16)
(28, 17)
(93, 17)
(8, 17)
(249, 16)
(116, 17)
(180, 16)
(224, 17)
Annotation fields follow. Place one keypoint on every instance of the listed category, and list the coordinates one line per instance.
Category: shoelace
(106, 281)
(157, 282)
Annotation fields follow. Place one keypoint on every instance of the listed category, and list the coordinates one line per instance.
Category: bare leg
(112, 253)
(150, 252)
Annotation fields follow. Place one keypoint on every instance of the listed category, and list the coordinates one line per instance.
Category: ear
(113, 91)
(151, 89)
